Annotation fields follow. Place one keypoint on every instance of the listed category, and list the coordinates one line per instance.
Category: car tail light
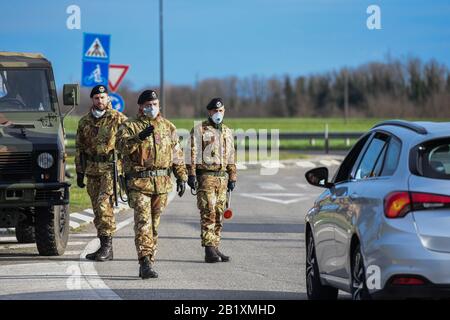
(408, 281)
(398, 204)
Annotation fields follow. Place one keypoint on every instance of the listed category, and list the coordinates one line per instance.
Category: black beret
(98, 89)
(147, 95)
(215, 103)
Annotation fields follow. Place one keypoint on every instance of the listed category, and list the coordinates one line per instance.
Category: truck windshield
(24, 90)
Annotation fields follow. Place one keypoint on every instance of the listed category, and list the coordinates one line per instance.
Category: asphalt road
(264, 238)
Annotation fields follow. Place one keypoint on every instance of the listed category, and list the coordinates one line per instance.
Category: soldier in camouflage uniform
(95, 144)
(212, 164)
(151, 152)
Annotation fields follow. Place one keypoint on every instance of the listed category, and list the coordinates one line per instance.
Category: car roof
(22, 59)
(415, 132)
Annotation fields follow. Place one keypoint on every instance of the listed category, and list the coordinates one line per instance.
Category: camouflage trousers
(100, 190)
(147, 214)
(211, 201)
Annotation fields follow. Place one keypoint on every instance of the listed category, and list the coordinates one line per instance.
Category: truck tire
(52, 230)
(25, 232)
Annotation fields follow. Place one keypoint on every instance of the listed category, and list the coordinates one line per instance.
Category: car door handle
(354, 196)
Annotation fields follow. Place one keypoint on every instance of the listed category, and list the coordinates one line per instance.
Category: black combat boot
(211, 255)
(222, 256)
(93, 255)
(146, 271)
(106, 249)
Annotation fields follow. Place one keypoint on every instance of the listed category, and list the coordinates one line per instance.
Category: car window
(392, 156)
(373, 155)
(343, 173)
(435, 156)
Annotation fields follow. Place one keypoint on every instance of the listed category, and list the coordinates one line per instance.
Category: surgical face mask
(217, 117)
(151, 112)
(98, 113)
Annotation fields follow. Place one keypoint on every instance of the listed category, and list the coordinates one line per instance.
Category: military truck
(34, 196)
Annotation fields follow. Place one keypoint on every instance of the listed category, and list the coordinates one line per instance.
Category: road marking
(275, 197)
(270, 186)
(74, 224)
(326, 163)
(305, 164)
(81, 217)
(302, 185)
(272, 164)
(241, 166)
(32, 245)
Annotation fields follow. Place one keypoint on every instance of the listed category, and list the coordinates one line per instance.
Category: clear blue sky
(218, 38)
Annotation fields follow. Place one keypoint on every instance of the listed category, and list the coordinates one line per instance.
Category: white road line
(336, 162)
(241, 166)
(302, 185)
(7, 239)
(272, 164)
(32, 245)
(81, 217)
(74, 224)
(326, 163)
(270, 186)
(305, 164)
(276, 197)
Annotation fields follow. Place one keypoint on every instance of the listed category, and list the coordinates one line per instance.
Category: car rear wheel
(52, 230)
(359, 289)
(314, 288)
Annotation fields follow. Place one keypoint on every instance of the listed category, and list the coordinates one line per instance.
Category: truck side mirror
(71, 94)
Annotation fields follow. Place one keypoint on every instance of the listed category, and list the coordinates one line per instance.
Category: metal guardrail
(311, 136)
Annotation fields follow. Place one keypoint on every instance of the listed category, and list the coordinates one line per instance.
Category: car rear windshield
(434, 159)
(24, 90)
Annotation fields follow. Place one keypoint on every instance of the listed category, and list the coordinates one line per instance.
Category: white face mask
(217, 118)
(97, 113)
(151, 112)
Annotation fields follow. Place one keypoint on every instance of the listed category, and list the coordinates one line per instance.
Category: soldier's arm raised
(127, 141)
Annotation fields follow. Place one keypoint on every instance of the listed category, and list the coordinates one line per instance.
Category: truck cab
(34, 196)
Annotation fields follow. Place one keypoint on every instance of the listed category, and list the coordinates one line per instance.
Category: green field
(282, 124)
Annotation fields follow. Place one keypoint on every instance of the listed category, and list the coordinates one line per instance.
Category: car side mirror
(318, 177)
(71, 94)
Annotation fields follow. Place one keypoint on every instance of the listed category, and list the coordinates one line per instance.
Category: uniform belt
(149, 173)
(211, 173)
(98, 158)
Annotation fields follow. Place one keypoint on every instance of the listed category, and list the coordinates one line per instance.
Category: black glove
(231, 185)
(191, 182)
(80, 178)
(146, 132)
(181, 187)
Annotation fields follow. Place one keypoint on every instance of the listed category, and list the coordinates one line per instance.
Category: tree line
(393, 88)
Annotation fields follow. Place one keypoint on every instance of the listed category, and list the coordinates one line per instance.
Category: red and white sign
(116, 74)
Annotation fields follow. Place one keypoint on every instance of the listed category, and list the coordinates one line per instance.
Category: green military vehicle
(34, 196)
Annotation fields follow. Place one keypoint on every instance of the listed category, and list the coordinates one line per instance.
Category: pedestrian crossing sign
(96, 47)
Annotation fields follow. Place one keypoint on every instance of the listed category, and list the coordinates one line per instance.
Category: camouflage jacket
(212, 148)
(96, 137)
(161, 150)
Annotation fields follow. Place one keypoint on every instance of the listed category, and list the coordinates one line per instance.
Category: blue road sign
(94, 73)
(117, 102)
(96, 47)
